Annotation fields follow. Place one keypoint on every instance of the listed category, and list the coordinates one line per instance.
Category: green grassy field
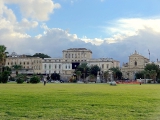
(79, 101)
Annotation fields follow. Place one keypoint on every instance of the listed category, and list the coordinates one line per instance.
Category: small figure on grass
(44, 81)
(140, 81)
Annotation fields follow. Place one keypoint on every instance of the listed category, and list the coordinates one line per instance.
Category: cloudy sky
(110, 28)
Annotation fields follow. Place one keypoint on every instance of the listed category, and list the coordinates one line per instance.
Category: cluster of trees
(151, 71)
(83, 71)
(41, 55)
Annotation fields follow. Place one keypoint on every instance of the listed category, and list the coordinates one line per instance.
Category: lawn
(66, 101)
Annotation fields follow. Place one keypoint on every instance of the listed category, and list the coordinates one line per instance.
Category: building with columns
(64, 66)
(71, 59)
(136, 64)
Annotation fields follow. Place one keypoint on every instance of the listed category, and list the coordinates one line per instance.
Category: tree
(4, 76)
(17, 67)
(78, 73)
(94, 70)
(145, 73)
(84, 70)
(3, 55)
(41, 55)
(153, 75)
(55, 76)
(106, 75)
(152, 66)
(117, 74)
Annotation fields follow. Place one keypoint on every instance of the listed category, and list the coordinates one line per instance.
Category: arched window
(135, 63)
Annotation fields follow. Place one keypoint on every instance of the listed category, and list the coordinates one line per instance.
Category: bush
(20, 80)
(35, 79)
(4, 77)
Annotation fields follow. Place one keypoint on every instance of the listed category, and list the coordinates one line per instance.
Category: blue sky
(113, 29)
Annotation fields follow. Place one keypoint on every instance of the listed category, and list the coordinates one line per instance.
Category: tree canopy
(41, 55)
(94, 70)
(3, 55)
(117, 74)
(84, 70)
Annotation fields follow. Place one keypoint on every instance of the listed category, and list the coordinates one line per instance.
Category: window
(102, 65)
(66, 55)
(59, 66)
(49, 66)
(107, 66)
(45, 66)
(66, 66)
(135, 63)
(55, 66)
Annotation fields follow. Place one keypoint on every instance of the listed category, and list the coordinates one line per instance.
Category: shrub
(20, 80)
(35, 79)
(4, 77)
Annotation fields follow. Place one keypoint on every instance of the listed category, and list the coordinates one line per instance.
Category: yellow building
(29, 64)
(136, 63)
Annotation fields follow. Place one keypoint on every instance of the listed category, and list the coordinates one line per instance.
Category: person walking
(44, 81)
(140, 81)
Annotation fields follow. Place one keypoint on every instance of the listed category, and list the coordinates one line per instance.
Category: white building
(71, 59)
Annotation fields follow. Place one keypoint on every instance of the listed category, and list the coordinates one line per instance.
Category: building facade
(136, 64)
(64, 66)
(29, 64)
(71, 59)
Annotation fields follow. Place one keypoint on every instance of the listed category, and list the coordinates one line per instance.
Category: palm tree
(84, 70)
(3, 55)
(17, 67)
(153, 75)
(145, 73)
(78, 73)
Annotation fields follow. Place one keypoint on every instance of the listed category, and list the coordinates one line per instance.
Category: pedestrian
(44, 81)
(140, 81)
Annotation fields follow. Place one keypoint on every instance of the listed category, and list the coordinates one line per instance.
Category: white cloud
(124, 28)
(35, 9)
(127, 35)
